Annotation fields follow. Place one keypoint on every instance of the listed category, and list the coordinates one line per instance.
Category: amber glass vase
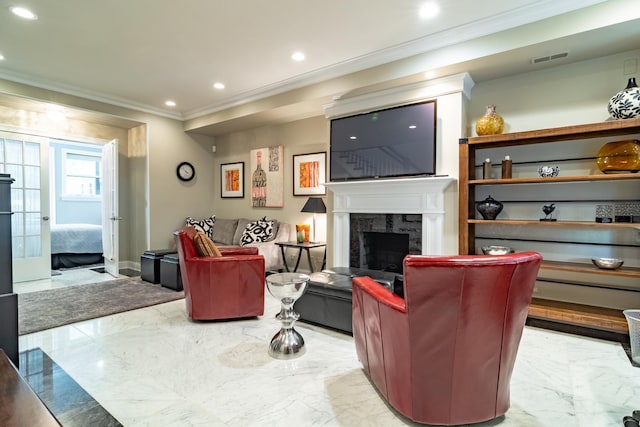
(491, 123)
(619, 156)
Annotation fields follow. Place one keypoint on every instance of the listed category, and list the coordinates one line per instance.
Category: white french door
(110, 211)
(25, 158)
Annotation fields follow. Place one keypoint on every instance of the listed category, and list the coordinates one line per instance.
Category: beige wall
(565, 95)
(298, 137)
(170, 200)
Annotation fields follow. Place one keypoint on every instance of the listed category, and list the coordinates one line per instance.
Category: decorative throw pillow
(205, 225)
(257, 231)
(204, 245)
(224, 230)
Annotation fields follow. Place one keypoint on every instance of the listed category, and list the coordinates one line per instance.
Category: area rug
(57, 307)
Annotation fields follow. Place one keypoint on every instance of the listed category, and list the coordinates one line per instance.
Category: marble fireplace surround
(423, 195)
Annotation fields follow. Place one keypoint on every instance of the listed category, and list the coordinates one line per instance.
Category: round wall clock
(186, 171)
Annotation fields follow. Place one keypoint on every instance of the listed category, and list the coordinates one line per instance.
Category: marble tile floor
(155, 367)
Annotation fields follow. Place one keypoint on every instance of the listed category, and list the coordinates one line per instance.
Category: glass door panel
(25, 158)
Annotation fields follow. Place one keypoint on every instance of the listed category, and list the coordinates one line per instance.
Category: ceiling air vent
(553, 57)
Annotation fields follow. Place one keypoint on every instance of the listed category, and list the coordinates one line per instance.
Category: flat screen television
(393, 142)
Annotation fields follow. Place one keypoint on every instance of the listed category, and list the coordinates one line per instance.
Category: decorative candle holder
(302, 232)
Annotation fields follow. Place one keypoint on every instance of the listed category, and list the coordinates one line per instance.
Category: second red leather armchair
(445, 353)
(224, 287)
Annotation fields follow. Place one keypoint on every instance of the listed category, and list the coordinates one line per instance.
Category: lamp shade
(314, 205)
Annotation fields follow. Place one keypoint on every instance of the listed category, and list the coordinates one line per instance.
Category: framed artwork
(309, 174)
(267, 177)
(232, 180)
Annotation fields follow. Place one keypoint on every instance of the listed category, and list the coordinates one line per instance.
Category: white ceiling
(140, 53)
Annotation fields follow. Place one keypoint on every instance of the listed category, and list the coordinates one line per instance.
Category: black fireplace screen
(384, 251)
(381, 241)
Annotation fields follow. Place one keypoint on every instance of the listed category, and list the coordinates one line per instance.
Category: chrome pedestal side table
(287, 287)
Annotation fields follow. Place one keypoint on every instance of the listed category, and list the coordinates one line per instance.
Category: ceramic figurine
(548, 210)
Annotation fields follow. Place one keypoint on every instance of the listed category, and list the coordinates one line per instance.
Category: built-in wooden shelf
(607, 319)
(576, 267)
(539, 180)
(566, 133)
(528, 222)
(470, 149)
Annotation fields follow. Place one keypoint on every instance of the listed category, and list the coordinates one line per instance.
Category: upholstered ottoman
(170, 272)
(327, 300)
(150, 264)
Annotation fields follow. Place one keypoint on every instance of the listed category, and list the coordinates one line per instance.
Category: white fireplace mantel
(423, 195)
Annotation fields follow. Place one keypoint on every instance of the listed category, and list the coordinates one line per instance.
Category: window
(82, 174)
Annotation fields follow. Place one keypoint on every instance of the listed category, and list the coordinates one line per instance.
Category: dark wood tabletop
(19, 405)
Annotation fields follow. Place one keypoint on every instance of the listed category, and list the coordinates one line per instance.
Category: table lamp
(314, 205)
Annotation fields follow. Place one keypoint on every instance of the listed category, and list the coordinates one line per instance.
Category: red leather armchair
(445, 353)
(229, 286)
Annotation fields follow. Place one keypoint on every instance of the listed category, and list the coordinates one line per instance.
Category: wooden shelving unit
(537, 180)
(530, 222)
(606, 319)
(564, 312)
(575, 267)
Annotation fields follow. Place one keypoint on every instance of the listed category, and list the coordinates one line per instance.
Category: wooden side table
(305, 246)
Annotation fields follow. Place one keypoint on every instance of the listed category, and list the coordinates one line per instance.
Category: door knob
(45, 218)
(116, 218)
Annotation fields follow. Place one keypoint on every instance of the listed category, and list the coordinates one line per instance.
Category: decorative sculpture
(548, 210)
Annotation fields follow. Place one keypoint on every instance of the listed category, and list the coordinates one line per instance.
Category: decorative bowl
(607, 263)
(548, 171)
(496, 250)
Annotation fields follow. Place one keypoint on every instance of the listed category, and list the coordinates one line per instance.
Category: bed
(74, 245)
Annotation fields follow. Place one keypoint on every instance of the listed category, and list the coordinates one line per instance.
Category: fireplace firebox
(381, 241)
(384, 251)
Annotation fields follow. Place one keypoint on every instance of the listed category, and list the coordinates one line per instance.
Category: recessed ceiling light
(429, 10)
(298, 56)
(218, 85)
(23, 13)
(429, 74)
(170, 103)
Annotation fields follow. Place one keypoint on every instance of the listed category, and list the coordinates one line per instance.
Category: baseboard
(130, 265)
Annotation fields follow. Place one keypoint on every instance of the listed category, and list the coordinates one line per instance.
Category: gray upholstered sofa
(228, 232)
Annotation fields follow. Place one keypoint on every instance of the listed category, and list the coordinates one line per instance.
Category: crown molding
(400, 95)
(86, 94)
